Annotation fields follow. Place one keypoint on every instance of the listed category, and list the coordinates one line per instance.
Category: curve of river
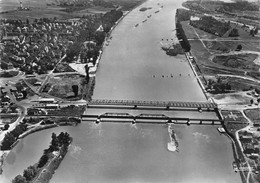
(133, 66)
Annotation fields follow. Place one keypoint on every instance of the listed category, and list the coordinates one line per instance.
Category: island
(49, 162)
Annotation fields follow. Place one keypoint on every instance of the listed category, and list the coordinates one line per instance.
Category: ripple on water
(75, 151)
(11, 158)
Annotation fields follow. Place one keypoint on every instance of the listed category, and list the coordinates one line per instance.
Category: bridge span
(164, 104)
(148, 118)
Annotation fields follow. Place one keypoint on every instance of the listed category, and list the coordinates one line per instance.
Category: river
(133, 66)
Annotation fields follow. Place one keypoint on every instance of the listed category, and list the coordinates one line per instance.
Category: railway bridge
(152, 112)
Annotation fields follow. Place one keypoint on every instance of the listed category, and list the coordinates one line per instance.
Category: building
(46, 100)
(13, 89)
(52, 106)
(249, 148)
(246, 138)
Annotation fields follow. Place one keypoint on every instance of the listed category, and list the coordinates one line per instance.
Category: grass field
(253, 115)
(242, 61)
(39, 9)
(209, 46)
(60, 86)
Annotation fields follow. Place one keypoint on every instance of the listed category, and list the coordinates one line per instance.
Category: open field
(241, 84)
(243, 61)
(40, 9)
(205, 46)
(253, 115)
(61, 86)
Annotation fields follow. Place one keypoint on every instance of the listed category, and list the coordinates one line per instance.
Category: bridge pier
(188, 122)
(98, 120)
(134, 121)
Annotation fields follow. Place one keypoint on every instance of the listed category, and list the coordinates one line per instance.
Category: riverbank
(197, 76)
(237, 156)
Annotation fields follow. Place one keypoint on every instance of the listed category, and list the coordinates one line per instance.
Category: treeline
(109, 19)
(218, 86)
(59, 144)
(239, 6)
(183, 14)
(11, 137)
(90, 34)
(180, 32)
(211, 25)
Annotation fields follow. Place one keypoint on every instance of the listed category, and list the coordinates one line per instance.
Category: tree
(233, 33)
(8, 141)
(54, 141)
(252, 33)
(6, 126)
(73, 50)
(17, 131)
(43, 160)
(239, 47)
(251, 101)
(75, 89)
(30, 173)
(19, 179)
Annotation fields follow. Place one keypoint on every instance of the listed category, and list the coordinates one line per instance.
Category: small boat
(171, 146)
(145, 20)
(149, 16)
(221, 130)
(136, 25)
(234, 164)
(157, 11)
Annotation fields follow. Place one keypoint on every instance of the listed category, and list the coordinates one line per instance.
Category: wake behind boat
(173, 144)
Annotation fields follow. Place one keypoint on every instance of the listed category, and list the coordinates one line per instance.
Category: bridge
(165, 104)
(152, 112)
(148, 118)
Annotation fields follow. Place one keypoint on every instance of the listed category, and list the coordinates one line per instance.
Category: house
(246, 138)
(5, 101)
(39, 105)
(10, 38)
(13, 89)
(70, 94)
(38, 83)
(18, 95)
(4, 91)
(249, 148)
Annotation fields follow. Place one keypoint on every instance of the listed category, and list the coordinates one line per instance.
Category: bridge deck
(154, 103)
(146, 118)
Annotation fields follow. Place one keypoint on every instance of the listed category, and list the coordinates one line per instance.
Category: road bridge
(164, 104)
(148, 118)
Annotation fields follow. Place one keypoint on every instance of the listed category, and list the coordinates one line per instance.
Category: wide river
(133, 66)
